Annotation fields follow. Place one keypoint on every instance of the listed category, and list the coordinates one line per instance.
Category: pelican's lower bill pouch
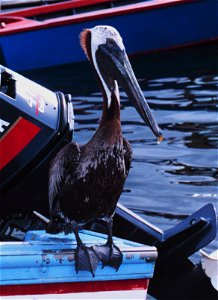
(43, 267)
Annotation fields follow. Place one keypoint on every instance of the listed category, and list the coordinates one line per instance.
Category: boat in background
(47, 35)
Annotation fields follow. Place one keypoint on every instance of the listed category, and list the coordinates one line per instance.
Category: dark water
(179, 176)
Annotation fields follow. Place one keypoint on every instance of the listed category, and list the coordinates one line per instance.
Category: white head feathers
(99, 35)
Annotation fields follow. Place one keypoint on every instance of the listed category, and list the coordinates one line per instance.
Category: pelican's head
(104, 47)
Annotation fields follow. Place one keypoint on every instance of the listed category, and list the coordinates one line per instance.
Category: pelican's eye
(110, 43)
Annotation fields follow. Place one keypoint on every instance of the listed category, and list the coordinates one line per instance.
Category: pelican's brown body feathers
(86, 182)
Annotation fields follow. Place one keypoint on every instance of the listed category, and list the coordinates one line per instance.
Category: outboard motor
(34, 124)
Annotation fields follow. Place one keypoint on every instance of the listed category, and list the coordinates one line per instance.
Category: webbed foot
(110, 255)
(86, 259)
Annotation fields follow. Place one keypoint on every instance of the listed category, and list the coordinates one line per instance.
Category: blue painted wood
(44, 258)
(148, 30)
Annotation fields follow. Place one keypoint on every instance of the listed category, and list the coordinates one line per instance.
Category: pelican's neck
(111, 114)
(111, 96)
(109, 128)
(109, 133)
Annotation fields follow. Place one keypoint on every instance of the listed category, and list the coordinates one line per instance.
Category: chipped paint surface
(50, 258)
(65, 255)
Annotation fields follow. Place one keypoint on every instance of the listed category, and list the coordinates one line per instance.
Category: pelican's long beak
(121, 70)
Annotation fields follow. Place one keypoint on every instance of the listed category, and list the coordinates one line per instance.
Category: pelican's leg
(86, 258)
(109, 253)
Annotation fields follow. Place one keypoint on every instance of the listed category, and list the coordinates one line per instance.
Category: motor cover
(34, 124)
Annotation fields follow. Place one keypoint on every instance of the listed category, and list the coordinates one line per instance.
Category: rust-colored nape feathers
(85, 42)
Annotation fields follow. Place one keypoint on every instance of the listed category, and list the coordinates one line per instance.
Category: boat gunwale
(73, 4)
(55, 7)
(41, 241)
(32, 25)
(144, 250)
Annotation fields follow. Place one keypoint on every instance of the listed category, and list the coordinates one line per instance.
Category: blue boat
(43, 266)
(47, 35)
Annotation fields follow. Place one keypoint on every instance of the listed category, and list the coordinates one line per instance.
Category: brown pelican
(85, 182)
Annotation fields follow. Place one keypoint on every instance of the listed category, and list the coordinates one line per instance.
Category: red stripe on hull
(16, 139)
(74, 287)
